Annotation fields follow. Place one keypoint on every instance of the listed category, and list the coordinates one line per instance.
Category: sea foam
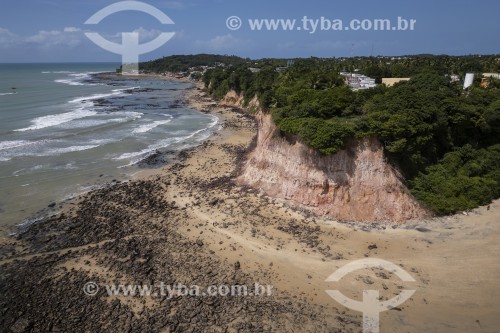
(57, 119)
(148, 127)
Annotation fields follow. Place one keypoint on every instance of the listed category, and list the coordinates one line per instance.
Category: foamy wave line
(214, 122)
(25, 224)
(148, 127)
(57, 119)
(114, 92)
(65, 150)
(70, 82)
(128, 114)
(5, 94)
(77, 78)
(58, 72)
(24, 171)
(5, 146)
(50, 152)
(14, 144)
(101, 119)
(140, 155)
(83, 190)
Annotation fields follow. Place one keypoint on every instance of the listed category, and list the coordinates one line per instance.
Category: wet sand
(189, 223)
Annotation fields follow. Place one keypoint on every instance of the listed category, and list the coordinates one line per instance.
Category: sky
(54, 30)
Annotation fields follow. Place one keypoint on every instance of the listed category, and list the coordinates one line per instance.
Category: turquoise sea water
(63, 132)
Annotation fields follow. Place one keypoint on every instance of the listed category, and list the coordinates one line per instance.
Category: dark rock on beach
(126, 234)
(156, 159)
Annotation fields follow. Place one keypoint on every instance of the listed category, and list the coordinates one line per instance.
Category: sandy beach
(190, 223)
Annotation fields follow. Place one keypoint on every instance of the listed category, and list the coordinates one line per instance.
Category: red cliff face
(354, 184)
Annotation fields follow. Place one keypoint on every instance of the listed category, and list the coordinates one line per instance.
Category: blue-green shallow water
(60, 131)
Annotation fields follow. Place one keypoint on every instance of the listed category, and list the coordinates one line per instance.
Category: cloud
(144, 35)
(7, 38)
(69, 37)
(44, 45)
(72, 29)
(221, 43)
(147, 35)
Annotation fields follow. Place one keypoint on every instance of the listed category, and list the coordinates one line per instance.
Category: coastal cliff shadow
(339, 167)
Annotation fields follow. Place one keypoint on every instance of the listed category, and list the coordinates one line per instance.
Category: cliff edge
(354, 184)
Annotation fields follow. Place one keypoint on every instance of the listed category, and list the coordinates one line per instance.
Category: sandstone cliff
(354, 184)
(233, 99)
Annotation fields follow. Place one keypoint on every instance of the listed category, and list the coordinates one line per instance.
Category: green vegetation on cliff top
(445, 141)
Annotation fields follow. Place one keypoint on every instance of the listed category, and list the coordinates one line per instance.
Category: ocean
(63, 132)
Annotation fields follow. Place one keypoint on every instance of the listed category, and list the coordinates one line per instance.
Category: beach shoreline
(189, 222)
(147, 166)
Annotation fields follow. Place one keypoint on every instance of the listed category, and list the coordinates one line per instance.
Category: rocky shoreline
(135, 232)
(190, 223)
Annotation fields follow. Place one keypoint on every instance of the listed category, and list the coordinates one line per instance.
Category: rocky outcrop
(354, 184)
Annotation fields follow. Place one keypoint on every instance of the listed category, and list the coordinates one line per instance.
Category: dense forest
(444, 139)
(182, 63)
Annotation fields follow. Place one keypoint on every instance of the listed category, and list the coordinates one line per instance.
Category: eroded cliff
(354, 184)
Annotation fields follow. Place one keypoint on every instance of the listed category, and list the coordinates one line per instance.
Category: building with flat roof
(493, 75)
(358, 81)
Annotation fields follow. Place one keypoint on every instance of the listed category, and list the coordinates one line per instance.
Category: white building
(469, 80)
(358, 81)
(492, 75)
